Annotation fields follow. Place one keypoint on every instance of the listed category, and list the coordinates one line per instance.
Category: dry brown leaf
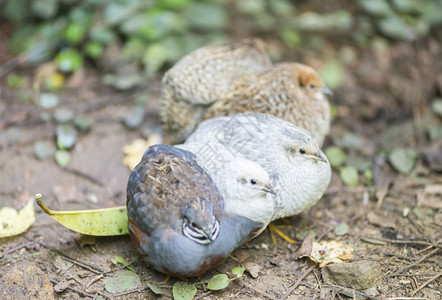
(381, 221)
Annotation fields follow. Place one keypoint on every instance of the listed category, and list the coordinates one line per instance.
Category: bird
(299, 171)
(243, 184)
(291, 91)
(176, 215)
(202, 77)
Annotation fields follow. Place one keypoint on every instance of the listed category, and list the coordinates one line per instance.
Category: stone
(358, 275)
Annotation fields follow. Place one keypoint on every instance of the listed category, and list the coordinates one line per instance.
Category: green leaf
(154, 57)
(349, 176)
(341, 229)
(93, 49)
(218, 282)
(436, 106)
(207, 16)
(63, 115)
(122, 281)
(158, 290)
(48, 101)
(120, 260)
(83, 123)
(69, 60)
(44, 8)
(376, 7)
(183, 291)
(66, 136)
(62, 157)
(74, 33)
(333, 74)
(44, 149)
(336, 156)
(403, 160)
(238, 271)
(15, 81)
(97, 222)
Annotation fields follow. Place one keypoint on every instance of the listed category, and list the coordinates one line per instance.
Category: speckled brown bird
(290, 91)
(201, 78)
(176, 215)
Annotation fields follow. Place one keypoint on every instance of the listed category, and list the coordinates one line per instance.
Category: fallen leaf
(306, 247)
(218, 282)
(183, 291)
(158, 290)
(336, 156)
(13, 222)
(327, 252)
(349, 176)
(341, 229)
(253, 269)
(403, 160)
(62, 285)
(238, 271)
(62, 264)
(381, 221)
(123, 280)
(97, 222)
(84, 239)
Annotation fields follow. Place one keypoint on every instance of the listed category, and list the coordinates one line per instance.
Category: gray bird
(201, 78)
(299, 171)
(176, 214)
(243, 184)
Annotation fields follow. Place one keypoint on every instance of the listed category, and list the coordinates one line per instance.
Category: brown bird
(290, 91)
(201, 78)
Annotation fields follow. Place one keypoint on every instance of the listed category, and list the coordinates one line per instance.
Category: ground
(384, 103)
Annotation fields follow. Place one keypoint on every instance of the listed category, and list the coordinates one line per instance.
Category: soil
(385, 101)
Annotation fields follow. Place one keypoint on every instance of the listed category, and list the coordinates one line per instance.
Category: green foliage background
(153, 34)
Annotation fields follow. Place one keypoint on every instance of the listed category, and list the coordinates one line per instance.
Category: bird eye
(193, 224)
(312, 86)
(302, 151)
(252, 181)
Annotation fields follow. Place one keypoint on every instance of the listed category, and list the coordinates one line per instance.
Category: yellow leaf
(327, 252)
(97, 222)
(13, 222)
(135, 150)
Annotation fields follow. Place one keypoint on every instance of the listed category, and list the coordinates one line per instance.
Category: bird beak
(268, 189)
(208, 234)
(319, 156)
(325, 90)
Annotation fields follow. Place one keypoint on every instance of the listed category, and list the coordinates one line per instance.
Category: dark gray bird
(299, 171)
(176, 214)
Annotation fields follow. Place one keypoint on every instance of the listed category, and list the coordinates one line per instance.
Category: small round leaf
(218, 282)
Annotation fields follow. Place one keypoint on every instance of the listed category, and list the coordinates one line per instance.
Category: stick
(294, 286)
(401, 270)
(426, 283)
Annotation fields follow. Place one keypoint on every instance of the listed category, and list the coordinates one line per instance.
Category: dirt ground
(385, 102)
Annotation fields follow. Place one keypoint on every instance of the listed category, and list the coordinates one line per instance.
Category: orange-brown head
(309, 80)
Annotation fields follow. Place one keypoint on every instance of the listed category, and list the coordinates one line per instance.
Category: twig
(437, 244)
(85, 176)
(401, 270)
(84, 264)
(87, 285)
(405, 298)
(74, 289)
(130, 291)
(294, 286)
(249, 286)
(16, 248)
(426, 283)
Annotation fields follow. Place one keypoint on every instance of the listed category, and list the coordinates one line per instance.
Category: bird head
(253, 180)
(309, 80)
(199, 221)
